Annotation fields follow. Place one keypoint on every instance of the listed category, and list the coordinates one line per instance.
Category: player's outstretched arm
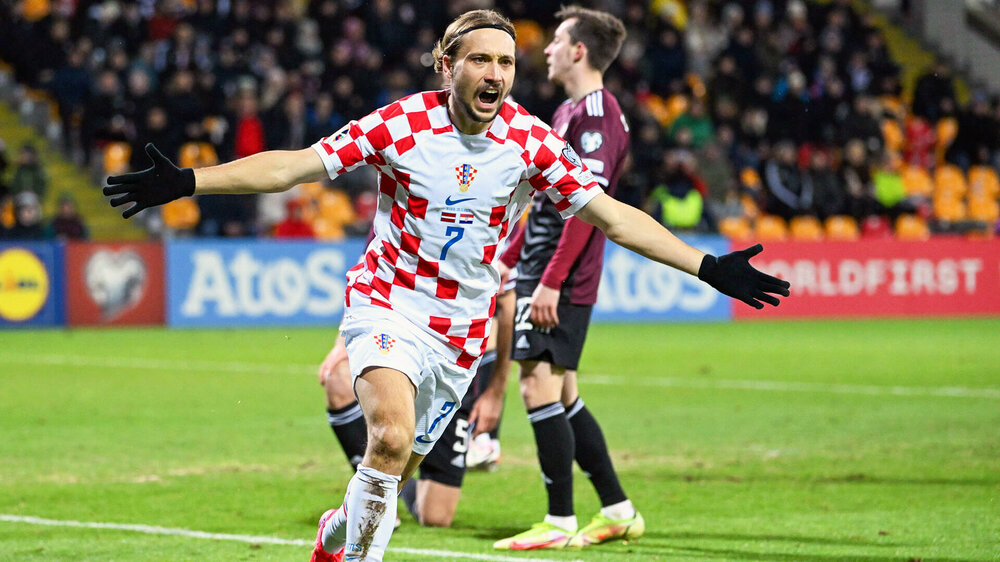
(731, 274)
(164, 182)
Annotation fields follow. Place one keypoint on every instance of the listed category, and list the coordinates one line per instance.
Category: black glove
(733, 275)
(162, 183)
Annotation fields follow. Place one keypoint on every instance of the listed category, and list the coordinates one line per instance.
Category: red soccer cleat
(320, 555)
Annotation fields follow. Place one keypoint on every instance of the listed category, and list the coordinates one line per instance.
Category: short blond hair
(451, 41)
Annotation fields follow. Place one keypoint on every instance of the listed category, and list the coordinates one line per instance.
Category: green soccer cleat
(540, 535)
(603, 528)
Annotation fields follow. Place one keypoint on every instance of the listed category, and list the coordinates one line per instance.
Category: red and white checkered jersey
(445, 202)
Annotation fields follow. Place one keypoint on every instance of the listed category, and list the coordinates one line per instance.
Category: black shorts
(561, 345)
(445, 464)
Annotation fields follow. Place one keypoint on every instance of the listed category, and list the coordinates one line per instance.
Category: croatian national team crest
(384, 343)
(465, 174)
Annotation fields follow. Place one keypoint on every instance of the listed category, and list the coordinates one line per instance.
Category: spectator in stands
(69, 86)
(67, 224)
(789, 191)
(855, 173)
(862, 124)
(934, 93)
(667, 61)
(829, 198)
(29, 176)
(976, 130)
(294, 226)
(27, 218)
(696, 121)
(678, 199)
(920, 141)
(322, 118)
(106, 101)
(155, 124)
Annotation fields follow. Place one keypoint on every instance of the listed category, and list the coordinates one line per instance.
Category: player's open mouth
(488, 97)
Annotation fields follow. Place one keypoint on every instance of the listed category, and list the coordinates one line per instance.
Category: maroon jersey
(568, 255)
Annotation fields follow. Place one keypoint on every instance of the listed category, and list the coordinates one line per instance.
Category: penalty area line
(250, 539)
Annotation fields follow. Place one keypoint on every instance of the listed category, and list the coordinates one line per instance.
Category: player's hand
(504, 273)
(162, 183)
(485, 414)
(732, 275)
(336, 355)
(544, 303)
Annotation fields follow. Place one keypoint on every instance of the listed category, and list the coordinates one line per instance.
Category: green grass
(224, 432)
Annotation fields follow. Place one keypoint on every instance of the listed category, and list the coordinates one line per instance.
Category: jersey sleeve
(600, 141)
(557, 170)
(355, 144)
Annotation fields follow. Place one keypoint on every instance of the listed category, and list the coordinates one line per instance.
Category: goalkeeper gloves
(733, 275)
(162, 183)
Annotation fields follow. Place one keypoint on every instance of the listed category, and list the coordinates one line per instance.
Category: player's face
(481, 75)
(560, 52)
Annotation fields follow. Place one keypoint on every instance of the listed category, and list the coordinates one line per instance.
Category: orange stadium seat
(983, 180)
(842, 227)
(983, 209)
(948, 208)
(7, 218)
(326, 229)
(770, 227)
(116, 157)
(181, 214)
(736, 228)
(197, 155)
(912, 227)
(893, 133)
(805, 228)
(916, 181)
(949, 180)
(946, 130)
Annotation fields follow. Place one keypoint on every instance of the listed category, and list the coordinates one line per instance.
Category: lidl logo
(24, 285)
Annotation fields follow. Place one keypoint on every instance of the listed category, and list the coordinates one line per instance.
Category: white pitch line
(670, 382)
(154, 530)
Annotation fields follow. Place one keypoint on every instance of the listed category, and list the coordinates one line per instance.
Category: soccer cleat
(483, 454)
(603, 528)
(320, 555)
(540, 535)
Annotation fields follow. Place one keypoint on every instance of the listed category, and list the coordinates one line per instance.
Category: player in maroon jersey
(559, 268)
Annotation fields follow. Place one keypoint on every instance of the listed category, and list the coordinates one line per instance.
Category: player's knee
(390, 440)
(437, 518)
(338, 387)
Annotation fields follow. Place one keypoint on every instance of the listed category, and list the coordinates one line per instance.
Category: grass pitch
(785, 441)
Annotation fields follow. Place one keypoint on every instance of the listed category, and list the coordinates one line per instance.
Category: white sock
(564, 522)
(371, 514)
(335, 531)
(620, 510)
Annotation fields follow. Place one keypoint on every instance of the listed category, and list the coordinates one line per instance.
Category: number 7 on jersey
(458, 232)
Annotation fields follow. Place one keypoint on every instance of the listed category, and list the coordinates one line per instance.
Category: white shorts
(379, 337)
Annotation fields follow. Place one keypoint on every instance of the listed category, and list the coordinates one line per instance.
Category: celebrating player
(559, 268)
(455, 167)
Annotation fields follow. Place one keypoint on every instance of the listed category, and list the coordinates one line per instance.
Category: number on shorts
(458, 232)
(446, 409)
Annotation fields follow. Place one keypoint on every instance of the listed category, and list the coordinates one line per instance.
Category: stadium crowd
(739, 109)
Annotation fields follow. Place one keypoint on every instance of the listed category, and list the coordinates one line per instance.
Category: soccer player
(456, 166)
(559, 268)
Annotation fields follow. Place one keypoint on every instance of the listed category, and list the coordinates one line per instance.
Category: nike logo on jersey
(450, 201)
